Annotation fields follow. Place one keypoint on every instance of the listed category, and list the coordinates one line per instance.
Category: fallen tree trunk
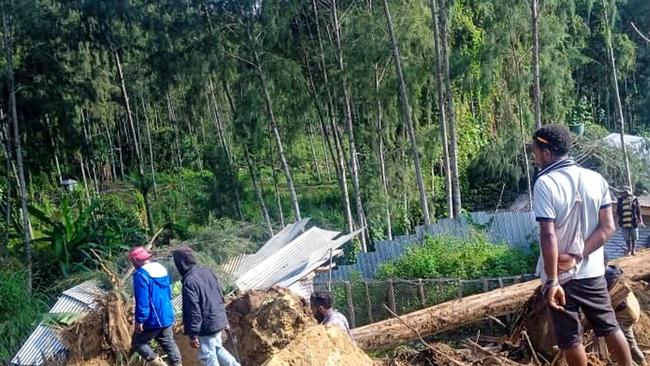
(456, 313)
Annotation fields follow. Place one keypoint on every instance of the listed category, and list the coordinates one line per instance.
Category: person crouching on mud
(572, 206)
(154, 313)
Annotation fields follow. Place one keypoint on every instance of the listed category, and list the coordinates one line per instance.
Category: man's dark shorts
(592, 297)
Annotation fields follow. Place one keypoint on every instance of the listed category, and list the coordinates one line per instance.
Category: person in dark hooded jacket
(204, 314)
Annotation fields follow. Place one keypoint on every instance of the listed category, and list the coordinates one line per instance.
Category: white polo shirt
(554, 196)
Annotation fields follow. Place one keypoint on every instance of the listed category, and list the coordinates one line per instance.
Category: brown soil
(642, 327)
(264, 322)
(189, 355)
(104, 335)
(93, 362)
(321, 346)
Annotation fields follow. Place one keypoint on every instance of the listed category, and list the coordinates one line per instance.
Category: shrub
(18, 309)
(466, 258)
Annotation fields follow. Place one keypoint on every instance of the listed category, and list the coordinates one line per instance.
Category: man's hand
(565, 262)
(138, 328)
(555, 296)
(195, 343)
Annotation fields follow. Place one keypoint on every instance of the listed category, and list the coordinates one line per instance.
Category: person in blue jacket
(154, 314)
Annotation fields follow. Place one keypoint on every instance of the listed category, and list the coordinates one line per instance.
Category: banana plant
(69, 235)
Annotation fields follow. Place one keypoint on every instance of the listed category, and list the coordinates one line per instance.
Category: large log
(456, 313)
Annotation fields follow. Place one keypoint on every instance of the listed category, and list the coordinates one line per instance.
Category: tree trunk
(537, 93)
(55, 149)
(440, 86)
(453, 143)
(226, 150)
(119, 150)
(354, 168)
(258, 192)
(278, 199)
(144, 188)
(406, 115)
(278, 138)
(337, 156)
(619, 107)
(179, 156)
(382, 163)
(313, 150)
(22, 187)
(453, 314)
(6, 144)
(82, 166)
(151, 159)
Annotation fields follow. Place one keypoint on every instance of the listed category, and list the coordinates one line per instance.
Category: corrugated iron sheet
(43, 344)
(243, 263)
(292, 262)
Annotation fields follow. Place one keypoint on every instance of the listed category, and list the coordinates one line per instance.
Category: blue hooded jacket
(153, 295)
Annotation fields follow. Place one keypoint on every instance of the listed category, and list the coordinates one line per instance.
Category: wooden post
(486, 285)
(391, 296)
(348, 292)
(508, 317)
(423, 298)
(368, 303)
(460, 289)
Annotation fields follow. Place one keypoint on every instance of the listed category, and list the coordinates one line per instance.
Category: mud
(265, 322)
(321, 346)
(103, 336)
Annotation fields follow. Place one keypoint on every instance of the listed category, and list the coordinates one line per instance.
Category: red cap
(139, 254)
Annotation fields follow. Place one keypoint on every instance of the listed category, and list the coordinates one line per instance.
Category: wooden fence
(362, 302)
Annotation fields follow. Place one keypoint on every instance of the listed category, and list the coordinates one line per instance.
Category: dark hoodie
(203, 306)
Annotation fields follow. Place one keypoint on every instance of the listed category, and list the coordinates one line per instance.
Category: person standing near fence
(321, 306)
(629, 219)
(572, 206)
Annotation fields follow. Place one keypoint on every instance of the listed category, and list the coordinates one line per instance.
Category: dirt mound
(104, 335)
(321, 346)
(92, 362)
(264, 322)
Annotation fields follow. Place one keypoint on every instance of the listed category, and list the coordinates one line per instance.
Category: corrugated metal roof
(43, 344)
(277, 261)
(243, 263)
(295, 260)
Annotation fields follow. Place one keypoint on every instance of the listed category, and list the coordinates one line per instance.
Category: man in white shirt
(573, 208)
(321, 306)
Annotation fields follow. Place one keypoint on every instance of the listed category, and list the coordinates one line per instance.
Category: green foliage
(19, 309)
(451, 257)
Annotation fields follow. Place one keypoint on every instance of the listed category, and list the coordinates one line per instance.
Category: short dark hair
(554, 137)
(321, 298)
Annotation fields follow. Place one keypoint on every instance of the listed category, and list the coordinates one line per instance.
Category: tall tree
(337, 151)
(537, 93)
(22, 185)
(143, 184)
(354, 162)
(276, 133)
(440, 88)
(406, 115)
(453, 143)
(258, 191)
(617, 96)
(382, 163)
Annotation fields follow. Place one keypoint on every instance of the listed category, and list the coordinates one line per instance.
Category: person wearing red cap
(154, 313)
